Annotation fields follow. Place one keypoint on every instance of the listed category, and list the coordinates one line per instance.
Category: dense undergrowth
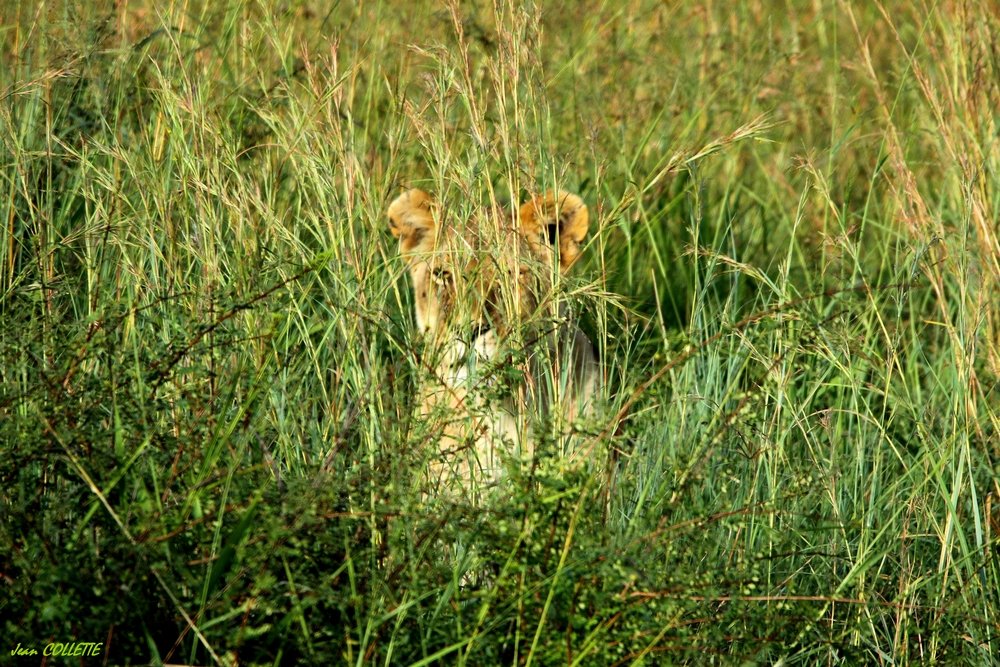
(208, 448)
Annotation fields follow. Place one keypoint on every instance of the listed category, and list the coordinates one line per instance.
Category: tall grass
(208, 366)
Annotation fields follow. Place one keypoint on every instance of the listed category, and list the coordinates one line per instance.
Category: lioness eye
(441, 276)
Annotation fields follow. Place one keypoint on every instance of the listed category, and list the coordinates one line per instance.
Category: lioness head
(483, 285)
(491, 272)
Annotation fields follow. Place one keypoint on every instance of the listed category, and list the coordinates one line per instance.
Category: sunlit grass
(209, 372)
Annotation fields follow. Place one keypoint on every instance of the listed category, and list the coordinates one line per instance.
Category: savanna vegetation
(209, 449)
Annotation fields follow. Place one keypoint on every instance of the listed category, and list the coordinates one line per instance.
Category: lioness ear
(410, 219)
(561, 217)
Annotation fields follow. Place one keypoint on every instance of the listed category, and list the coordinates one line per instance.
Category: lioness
(502, 353)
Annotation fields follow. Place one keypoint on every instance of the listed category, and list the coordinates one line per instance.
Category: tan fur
(484, 301)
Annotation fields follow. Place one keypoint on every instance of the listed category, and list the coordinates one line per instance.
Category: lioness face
(477, 280)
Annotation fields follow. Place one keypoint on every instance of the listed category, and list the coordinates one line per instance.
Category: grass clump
(208, 364)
